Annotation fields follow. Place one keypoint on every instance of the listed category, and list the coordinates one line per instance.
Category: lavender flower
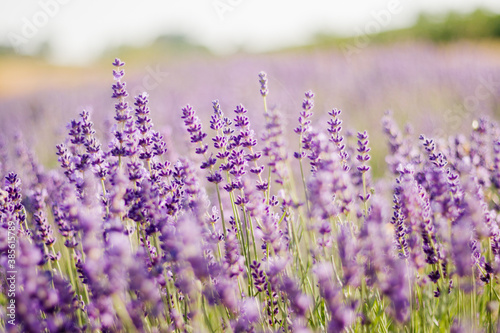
(263, 84)
(342, 317)
(249, 315)
(348, 251)
(93, 147)
(363, 151)
(122, 111)
(144, 125)
(305, 114)
(193, 125)
(335, 136)
(234, 261)
(409, 203)
(271, 236)
(38, 296)
(495, 174)
(381, 266)
(399, 228)
(328, 184)
(299, 302)
(438, 159)
(259, 277)
(274, 144)
(363, 157)
(395, 142)
(460, 245)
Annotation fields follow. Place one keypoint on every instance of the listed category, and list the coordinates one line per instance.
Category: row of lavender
(249, 236)
(437, 89)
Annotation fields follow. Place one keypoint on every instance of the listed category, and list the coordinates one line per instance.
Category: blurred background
(435, 64)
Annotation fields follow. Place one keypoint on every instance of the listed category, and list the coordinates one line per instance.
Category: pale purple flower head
(194, 129)
(263, 84)
(363, 157)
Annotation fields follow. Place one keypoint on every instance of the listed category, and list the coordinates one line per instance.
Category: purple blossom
(411, 211)
(348, 251)
(263, 84)
(249, 315)
(274, 146)
(271, 235)
(305, 114)
(234, 260)
(335, 128)
(397, 154)
(328, 184)
(342, 317)
(193, 125)
(299, 301)
(363, 157)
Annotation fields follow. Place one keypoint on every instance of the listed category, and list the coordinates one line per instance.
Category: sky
(79, 31)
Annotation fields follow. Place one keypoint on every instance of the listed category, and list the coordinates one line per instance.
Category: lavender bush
(245, 233)
(433, 88)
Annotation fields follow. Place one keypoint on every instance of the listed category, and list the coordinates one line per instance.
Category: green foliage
(453, 26)
(476, 25)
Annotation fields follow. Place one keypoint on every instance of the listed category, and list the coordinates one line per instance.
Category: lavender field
(287, 192)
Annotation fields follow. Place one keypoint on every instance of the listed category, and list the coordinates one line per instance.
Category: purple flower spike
(438, 159)
(305, 114)
(348, 250)
(363, 151)
(274, 145)
(249, 315)
(397, 150)
(335, 137)
(263, 84)
(241, 120)
(234, 262)
(216, 121)
(193, 125)
(341, 316)
(299, 301)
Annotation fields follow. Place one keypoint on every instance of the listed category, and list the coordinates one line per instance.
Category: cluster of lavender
(227, 239)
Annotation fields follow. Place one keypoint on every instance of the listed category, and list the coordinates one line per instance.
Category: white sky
(79, 30)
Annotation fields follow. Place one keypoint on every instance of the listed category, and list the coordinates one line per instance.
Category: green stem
(304, 184)
(122, 313)
(364, 194)
(221, 211)
(104, 195)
